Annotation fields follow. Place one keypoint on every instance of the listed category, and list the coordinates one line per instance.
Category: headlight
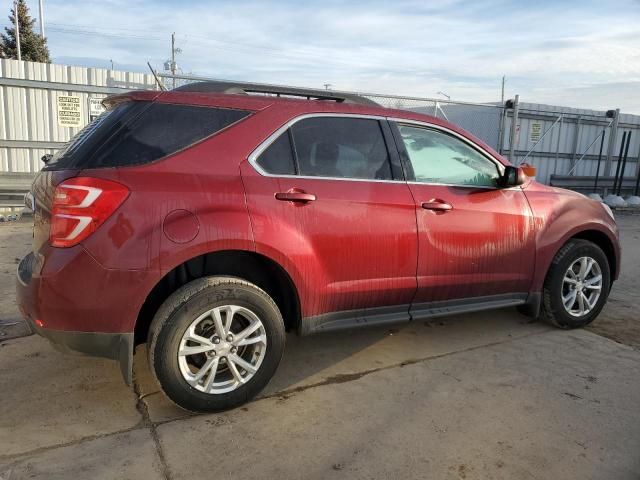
(608, 210)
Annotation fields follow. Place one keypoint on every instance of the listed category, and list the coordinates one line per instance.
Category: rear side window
(277, 159)
(341, 147)
(134, 133)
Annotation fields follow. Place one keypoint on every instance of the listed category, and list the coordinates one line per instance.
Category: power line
(224, 45)
(231, 46)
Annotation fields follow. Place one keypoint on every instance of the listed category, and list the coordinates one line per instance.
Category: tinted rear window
(278, 158)
(340, 147)
(134, 133)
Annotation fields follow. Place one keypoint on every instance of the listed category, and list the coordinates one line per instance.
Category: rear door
(475, 240)
(327, 201)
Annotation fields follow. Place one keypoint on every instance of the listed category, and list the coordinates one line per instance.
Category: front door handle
(296, 195)
(437, 205)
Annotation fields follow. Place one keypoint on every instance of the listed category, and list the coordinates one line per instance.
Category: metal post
(173, 58)
(624, 162)
(17, 17)
(503, 119)
(615, 179)
(555, 162)
(514, 127)
(613, 133)
(635, 191)
(41, 19)
(576, 138)
(595, 185)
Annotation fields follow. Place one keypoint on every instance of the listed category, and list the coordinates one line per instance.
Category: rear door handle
(437, 205)
(297, 196)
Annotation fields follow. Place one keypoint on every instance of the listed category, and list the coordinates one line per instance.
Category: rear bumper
(115, 346)
(79, 306)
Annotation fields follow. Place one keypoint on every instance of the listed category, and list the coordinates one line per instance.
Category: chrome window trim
(253, 156)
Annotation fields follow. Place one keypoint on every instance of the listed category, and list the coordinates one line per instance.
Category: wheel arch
(248, 265)
(603, 241)
(550, 242)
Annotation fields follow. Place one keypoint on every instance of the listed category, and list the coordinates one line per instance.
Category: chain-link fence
(585, 150)
(570, 147)
(484, 120)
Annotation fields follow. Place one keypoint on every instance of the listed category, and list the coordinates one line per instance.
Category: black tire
(553, 310)
(176, 314)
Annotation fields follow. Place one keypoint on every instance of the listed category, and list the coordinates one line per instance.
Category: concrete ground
(488, 395)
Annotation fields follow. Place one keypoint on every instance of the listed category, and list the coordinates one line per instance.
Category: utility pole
(173, 58)
(17, 17)
(613, 136)
(502, 95)
(41, 19)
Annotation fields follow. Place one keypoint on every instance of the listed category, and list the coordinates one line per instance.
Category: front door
(476, 240)
(326, 203)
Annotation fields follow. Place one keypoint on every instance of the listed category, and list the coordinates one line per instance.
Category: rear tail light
(80, 206)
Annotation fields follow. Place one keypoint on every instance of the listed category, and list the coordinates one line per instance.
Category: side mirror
(511, 177)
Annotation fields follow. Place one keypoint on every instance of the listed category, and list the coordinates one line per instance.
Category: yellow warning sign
(69, 112)
(535, 132)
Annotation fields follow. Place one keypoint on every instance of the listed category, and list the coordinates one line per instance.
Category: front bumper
(79, 306)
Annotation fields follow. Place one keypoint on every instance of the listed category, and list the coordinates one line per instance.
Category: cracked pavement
(487, 395)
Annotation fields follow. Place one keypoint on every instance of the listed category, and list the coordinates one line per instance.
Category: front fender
(560, 215)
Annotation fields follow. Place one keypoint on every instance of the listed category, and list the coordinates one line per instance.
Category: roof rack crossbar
(246, 88)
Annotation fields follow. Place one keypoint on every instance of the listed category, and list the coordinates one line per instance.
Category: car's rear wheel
(577, 285)
(215, 343)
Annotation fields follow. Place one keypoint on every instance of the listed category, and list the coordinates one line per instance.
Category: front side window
(341, 147)
(440, 158)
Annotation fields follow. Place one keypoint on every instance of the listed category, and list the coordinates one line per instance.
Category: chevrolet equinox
(208, 220)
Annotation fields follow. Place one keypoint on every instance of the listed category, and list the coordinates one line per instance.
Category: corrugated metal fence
(29, 92)
(43, 105)
(572, 143)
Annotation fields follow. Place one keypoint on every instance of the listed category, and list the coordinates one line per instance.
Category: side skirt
(398, 314)
(328, 322)
(466, 305)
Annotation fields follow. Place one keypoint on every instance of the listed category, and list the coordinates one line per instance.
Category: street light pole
(41, 19)
(17, 17)
(173, 58)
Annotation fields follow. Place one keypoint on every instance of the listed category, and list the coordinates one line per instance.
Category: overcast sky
(575, 53)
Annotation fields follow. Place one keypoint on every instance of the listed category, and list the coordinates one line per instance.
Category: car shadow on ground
(347, 355)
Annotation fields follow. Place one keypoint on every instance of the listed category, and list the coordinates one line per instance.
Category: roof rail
(278, 90)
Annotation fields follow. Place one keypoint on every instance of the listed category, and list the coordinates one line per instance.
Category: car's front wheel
(577, 285)
(215, 343)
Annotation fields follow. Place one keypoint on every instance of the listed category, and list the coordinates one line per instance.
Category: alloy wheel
(222, 349)
(581, 286)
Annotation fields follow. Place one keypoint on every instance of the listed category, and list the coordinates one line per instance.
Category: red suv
(208, 220)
